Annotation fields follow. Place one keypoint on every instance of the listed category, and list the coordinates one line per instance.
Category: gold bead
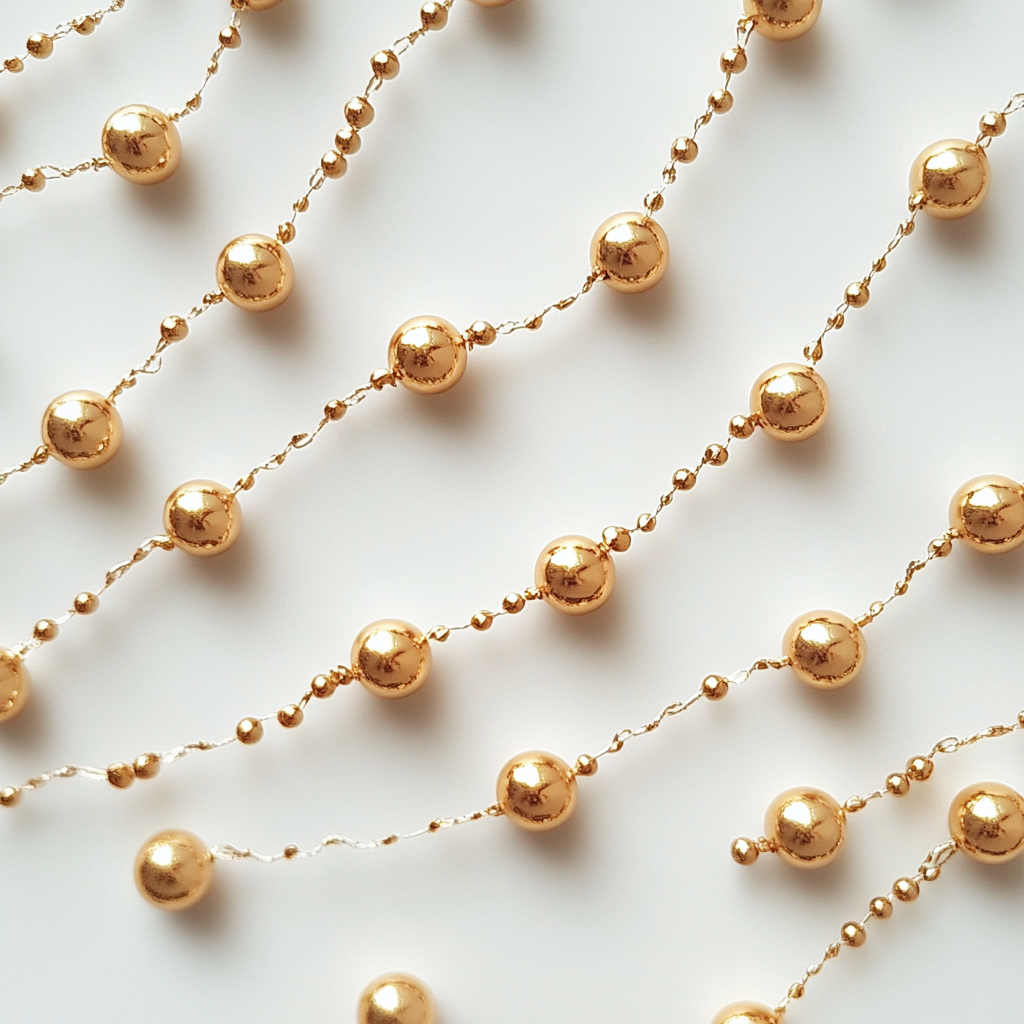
(203, 518)
(617, 538)
(897, 784)
(85, 25)
(741, 427)
(988, 513)
(987, 822)
(733, 61)
(433, 16)
(854, 934)
(513, 603)
(290, 852)
(906, 890)
(347, 141)
(39, 45)
(385, 65)
(230, 38)
(335, 409)
(322, 687)
(255, 272)
(141, 144)
(120, 775)
(174, 328)
(920, 768)
(796, 990)
(881, 907)
(631, 251)
(782, 19)
(480, 333)
(291, 716)
(482, 621)
(790, 402)
(825, 649)
(575, 575)
(715, 687)
(396, 999)
(9, 796)
(720, 101)
(806, 826)
(86, 603)
(249, 731)
(745, 1013)
(744, 851)
(33, 180)
(684, 480)
(427, 355)
(173, 870)
(14, 64)
(953, 175)
(537, 791)
(716, 455)
(684, 150)
(15, 685)
(941, 548)
(586, 766)
(857, 295)
(391, 658)
(992, 124)
(286, 232)
(646, 523)
(146, 766)
(45, 630)
(82, 429)
(358, 112)
(333, 164)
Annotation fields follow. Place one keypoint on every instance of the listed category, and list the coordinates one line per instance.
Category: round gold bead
(427, 355)
(716, 455)
(249, 731)
(684, 150)
(537, 791)
(45, 630)
(854, 934)
(290, 716)
(715, 687)
(684, 480)
(173, 870)
(358, 112)
(146, 766)
(825, 649)
(322, 687)
(513, 603)
(906, 890)
(782, 19)
(384, 65)
(482, 621)
(82, 429)
(920, 768)
(745, 1013)
(203, 518)
(86, 603)
(33, 180)
(881, 908)
(806, 826)
(720, 101)
(646, 523)
(617, 538)
(992, 124)
(15, 685)
(744, 851)
(174, 328)
(480, 333)
(9, 796)
(741, 427)
(433, 16)
(790, 402)
(141, 144)
(575, 575)
(857, 295)
(586, 766)
(14, 64)
(255, 272)
(286, 232)
(396, 998)
(987, 822)
(391, 658)
(953, 175)
(335, 409)
(897, 784)
(333, 164)
(988, 514)
(39, 45)
(733, 61)
(347, 141)
(631, 251)
(86, 25)
(230, 38)
(120, 775)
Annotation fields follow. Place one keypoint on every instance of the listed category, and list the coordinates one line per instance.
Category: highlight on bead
(141, 144)
(782, 19)
(537, 791)
(988, 514)
(574, 574)
(173, 870)
(82, 429)
(986, 821)
(427, 355)
(203, 518)
(391, 658)
(790, 402)
(952, 176)
(255, 272)
(630, 251)
(396, 998)
(805, 826)
(825, 649)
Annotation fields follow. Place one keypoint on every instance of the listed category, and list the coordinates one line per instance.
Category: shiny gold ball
(992, 124)
(953, 176)
(684, 480)
(684, 150)
(82, 429)
(385, 65)
(825, 649)
(807, 827)
(575, 575)
(631, 250)
(616, 538)
(334, 165)
(733, 61)
(10, 796)
(480, 333)
(33, 180)
(906, 890)
(396, 998)
(782, 19)
(229, 37)
(987, 822)
(291, 716)
(203, 518)
(86, 603)
(537, 791)
(174, 328)
(897, 784)
(358, 112)
(744, 851)
(249, 731)
(427, 355)
(513, 603)
(857, 295)
(745, 1013)
(146, 766)
(173, 870)
(881, 907)
(854, 934)
(45, 630)
(15, 65)
(15, 685)
(255, 272)
(86, 25)
(120, 775)
(433, 16)
(715, 687)
(920, 768)
(988, 513)
(141, 144)
(790, 402)
(721, 101)
(391, 658)
(347, 141)
(39, 45)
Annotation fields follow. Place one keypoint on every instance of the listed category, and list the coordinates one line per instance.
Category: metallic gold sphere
(391, 658)
(537, 791)
(782, 19)
(807, 827)
(141, 144)
(790, 402)
(427, 355)
(988, 513)
(631, 250)
(745, 1013)
(953, 175)
(82, 429)
(987, 822)
(173, 870)
(396, 998)
(255, 272)
(15, 685)
(203, 518)
(825, 649)
(575, 575)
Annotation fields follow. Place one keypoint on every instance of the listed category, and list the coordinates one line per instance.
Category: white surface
(504, 142)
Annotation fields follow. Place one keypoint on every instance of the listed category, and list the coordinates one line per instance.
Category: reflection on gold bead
(33, 180)
(322, 687)
(249, 731)
(857, 295)
(291, 716)
(575, 575)
(391, 658)
(617, 538)
(987, 822)
(481, 333)
(715, 687)
(684, 150)
(427, 355)
(146, 766)
(513, 603)
(286, 232)
(745, 1013)
(86, 603)
(825, 649)
(141, 144)
(898, 784)
(684, 480)
(39, 45)
(9, 796)
(992, 124)
(631, 250)
(433, 16)
(358, 112)
(120, 775)
(806, 826)
(920, 768)
(586, 765)
(173, 870)
(15, 685)
(45, 630)
(333, 164)
(347, 141)
(230, 38)
(744, 851)
(396, 998)
(790, 402)
(720, 101)
(537, 791)
(86, 25)
(385, 65)
(854, 934)
(82, 429)
(906, 890)
(174, 328)
(782, 19)
(482, 621)
(741, 427)
(988, 513)
(953, 175)
(733, 61)
(255, 272)
(203, 518)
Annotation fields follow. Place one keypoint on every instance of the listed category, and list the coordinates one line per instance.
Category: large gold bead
(396, 998)
(575, 575)
(391, 658)
(987, 822)
(141, 144)
(806, 826)
(537, 791)
(255, 272)
(15, 685)
(953, 176)
(427, 355)
(173, 870)
(82, 429)
(825, 649)
(631, 250)
(790, 402)
(745, 1013)
(988, 513)
(203, 518)
(782, 19)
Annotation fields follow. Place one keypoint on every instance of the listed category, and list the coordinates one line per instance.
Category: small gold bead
(906, 890)
(358, 112)
(992, 124)
(286, 232)
(342, 675)
(586, 765)
(482, 620)
(45, 630)
(715, 687)
(85, 25)
(174, 328)
(9, 796)
(720, 101)
(39, 45)
(14, 65)
(301, 205)
(396, 999)
(322, 687)
(384, 65)
(249, 731)
(617, 538)
(881, 907)
(532, 594)
(733, 61)
(33, 180)
(347, 141)
(646, 523)
(716, 455)
(920, 768)
(744, 851)
(513, 603)
(857, 295)
(334, 165)
(433, 16)
(146, 766)
(741, 427)
(120, 775)
(480, 333)
(684, 480)
(230, 38)
(941, 547)
(291, 716)
(291, 852)
(684, 150)
(382, 378)
(898, 784)
(335, 409)
(854, 934)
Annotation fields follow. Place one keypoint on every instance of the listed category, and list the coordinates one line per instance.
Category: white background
(505, 141)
